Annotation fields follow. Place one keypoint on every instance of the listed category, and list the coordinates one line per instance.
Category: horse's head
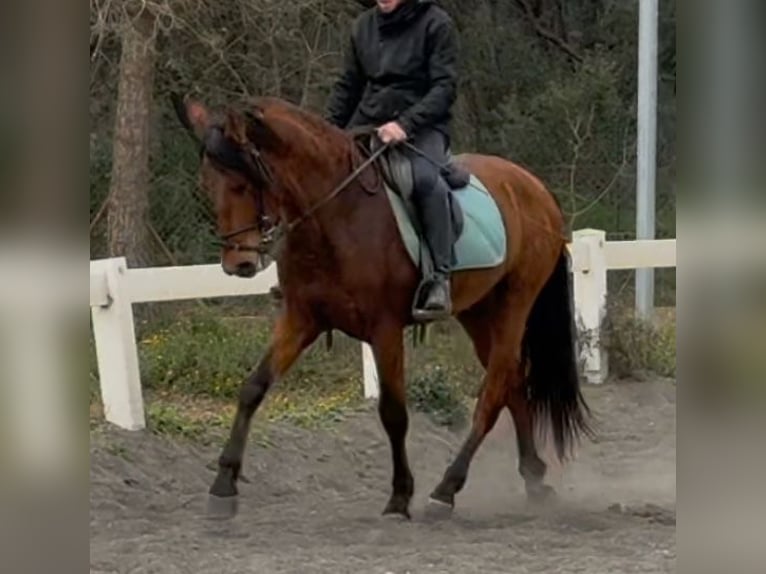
(237, 180)
(268, 163)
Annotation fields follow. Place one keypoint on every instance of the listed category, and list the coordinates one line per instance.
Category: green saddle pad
(482, 242)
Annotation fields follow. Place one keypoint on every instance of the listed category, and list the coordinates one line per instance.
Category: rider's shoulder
(438, 15)
(364, 20)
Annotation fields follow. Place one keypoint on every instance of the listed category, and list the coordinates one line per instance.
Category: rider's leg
(431, 197)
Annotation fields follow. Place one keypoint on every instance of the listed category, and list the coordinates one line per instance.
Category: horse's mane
(322, 138)
(299, 117)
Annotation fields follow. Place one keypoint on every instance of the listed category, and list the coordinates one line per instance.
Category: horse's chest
(340, 310)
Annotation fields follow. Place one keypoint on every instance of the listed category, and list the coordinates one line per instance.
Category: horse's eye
(239, 189)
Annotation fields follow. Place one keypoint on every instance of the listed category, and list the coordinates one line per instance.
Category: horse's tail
(550, 361)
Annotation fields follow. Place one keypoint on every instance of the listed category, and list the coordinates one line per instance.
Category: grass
(193, 365)
(178, 420)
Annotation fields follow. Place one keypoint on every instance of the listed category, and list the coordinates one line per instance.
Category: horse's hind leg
(531, 466)
(388, 348)
(500, 352)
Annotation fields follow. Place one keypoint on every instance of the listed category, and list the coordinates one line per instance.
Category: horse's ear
(235, 126)
(193, 115)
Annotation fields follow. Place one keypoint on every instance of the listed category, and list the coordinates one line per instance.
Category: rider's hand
(391, 133)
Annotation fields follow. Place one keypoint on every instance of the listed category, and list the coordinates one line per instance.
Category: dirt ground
(314, 499)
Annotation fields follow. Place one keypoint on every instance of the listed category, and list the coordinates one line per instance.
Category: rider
(400, 75)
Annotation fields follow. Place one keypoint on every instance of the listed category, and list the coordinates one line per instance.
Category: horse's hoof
(396, 509)
(540, 493)
(222, 507)
(437, 510)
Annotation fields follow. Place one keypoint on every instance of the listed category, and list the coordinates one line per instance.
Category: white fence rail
(114, 288)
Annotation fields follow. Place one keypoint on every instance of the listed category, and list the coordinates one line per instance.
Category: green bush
(638, 346)
(432, 392)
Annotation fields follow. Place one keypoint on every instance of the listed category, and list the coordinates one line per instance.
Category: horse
(282, 177)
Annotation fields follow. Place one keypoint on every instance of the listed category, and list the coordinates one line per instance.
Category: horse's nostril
(246, 269)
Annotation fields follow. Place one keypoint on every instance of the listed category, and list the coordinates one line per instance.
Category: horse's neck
(325, 240)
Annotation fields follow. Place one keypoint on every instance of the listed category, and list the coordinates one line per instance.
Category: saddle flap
(397, 170)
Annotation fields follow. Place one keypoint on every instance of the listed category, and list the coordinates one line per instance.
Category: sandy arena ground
(314, 499)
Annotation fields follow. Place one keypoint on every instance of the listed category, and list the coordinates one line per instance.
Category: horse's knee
(255, 387)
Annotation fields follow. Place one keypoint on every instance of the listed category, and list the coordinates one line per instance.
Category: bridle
(257, 171)
(271, 232)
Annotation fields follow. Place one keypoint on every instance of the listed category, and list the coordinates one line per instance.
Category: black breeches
(426, 177)
(431, 197)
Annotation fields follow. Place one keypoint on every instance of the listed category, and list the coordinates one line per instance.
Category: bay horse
(270, 165)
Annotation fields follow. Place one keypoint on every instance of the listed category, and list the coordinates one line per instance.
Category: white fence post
(116, 350)
(370, 373)
(589, 269)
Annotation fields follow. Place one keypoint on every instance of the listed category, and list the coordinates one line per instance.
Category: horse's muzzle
(246, 269)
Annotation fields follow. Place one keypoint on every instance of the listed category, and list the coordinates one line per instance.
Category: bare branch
(609, 186)
(578, 140)
(546, 34)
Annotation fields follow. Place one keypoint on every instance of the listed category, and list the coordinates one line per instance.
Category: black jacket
(399, 66)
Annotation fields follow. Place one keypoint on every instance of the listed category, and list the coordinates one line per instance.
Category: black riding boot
(437, 227)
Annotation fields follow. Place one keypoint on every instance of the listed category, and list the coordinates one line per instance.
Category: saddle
(396, 168)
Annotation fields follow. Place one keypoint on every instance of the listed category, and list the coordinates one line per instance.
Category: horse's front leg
(292, 335)
(388, 348)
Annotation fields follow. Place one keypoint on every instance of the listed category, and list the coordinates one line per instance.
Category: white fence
(114, 288)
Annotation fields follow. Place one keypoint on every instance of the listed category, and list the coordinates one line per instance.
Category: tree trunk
(129, 186)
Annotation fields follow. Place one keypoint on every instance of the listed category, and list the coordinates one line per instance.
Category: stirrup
(430, 315)
(422, 315)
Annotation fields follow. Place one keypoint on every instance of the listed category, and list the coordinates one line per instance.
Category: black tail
(550, 355)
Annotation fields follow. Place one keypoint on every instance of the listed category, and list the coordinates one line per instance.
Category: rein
(340, 187)
(271, 236)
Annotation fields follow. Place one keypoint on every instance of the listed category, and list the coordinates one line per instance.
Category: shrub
(635, 345)
(432, 392)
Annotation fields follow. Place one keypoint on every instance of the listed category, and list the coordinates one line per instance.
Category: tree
(130, 178)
